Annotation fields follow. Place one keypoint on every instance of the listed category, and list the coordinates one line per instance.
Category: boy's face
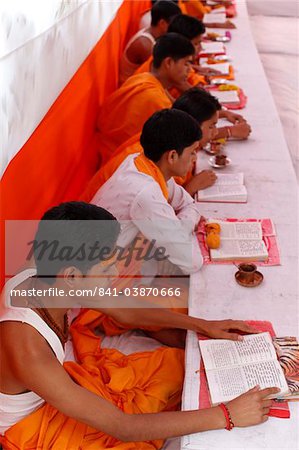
(178, 71)
(209, 130)
(102, 274)
(197, 44)
(185, 161)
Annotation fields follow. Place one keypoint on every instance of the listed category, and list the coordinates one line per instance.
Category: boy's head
(162, 13)
(172, 55)
(73, 240)
(190, 27)
(203, 107)
(171, 137)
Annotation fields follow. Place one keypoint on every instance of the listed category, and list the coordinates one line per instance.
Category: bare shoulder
(22, 342)
(140, 50)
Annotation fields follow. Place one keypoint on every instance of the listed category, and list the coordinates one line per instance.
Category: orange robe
(129, 147)
(194, 8)
(125, 111)
(143, 382)
(193, 78)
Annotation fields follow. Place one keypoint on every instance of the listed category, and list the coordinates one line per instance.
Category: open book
(214, 17)
(239, 241)
(226, 96)
(234, 367)
(221, 67)
(208, 48)
(228, 188)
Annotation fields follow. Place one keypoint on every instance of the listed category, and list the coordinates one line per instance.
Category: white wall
(42, 44)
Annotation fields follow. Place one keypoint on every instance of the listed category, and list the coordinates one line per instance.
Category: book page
(226, 384)
(219, 10)
(214, 18)
(240, 250)
(223, 192)
(221, 353)
(229, 179)
(226, 96)
(212, 47)
(221, 67)
(239, 230)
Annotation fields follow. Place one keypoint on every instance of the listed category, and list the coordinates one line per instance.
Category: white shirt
(136, 200)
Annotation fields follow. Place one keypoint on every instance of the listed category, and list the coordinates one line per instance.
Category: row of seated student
(118, 382)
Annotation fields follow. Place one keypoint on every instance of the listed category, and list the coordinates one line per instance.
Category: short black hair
(164, 9)
(168, 129)
(65, 235)
(187, 26)
(156, 1)
(171, 45)
(200, 104)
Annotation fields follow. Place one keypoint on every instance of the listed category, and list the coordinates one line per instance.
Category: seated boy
(140, 46)
(193, 29)
(125, 111)
(197, 9)
(204, 108)
(107, 399)
(143, 192)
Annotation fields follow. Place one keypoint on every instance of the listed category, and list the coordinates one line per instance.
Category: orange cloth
(148, 167)
(129, 147)
(62, 153)
(137, 383)
(126, 110)
(194, 8)
(193, 78)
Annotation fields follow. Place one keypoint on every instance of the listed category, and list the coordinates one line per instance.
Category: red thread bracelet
(229, 423)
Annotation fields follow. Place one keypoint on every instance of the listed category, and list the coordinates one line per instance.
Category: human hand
(240, 130)
(206, 71)
(231, 116)
(202, 180)
(251, 408)
(227, 329)
(227, 24)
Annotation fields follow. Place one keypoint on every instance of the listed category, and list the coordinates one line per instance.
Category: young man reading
(125, 111)
(107, 399)
(204, 108)
(143, 192)
(193, 29)
(197, 9)
(140, 46)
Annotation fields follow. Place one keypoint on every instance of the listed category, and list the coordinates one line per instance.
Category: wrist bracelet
(229, 132)
(229, 423)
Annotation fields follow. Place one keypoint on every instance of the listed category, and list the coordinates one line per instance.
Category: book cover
(287, 350)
